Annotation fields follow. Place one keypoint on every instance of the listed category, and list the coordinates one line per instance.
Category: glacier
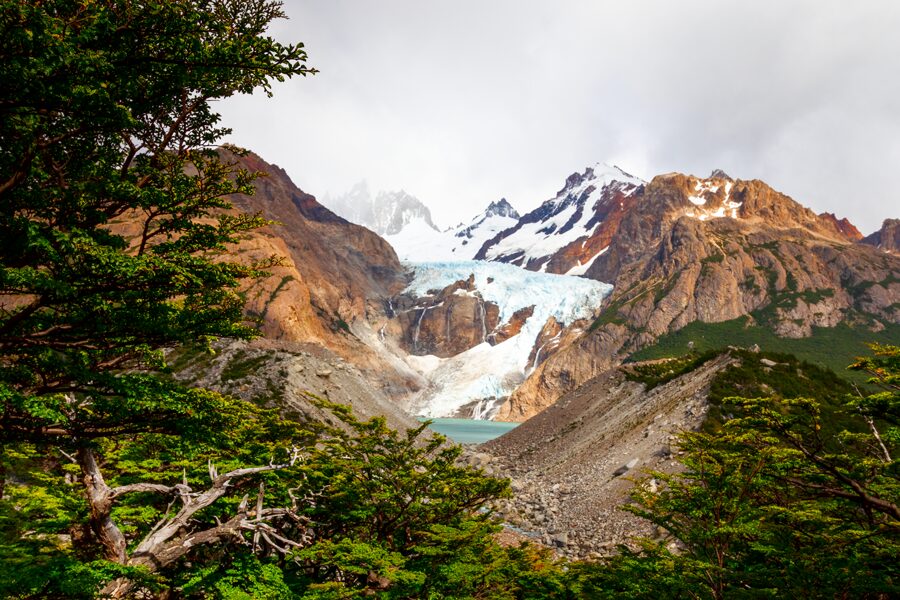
(488, 374)
(419, 241)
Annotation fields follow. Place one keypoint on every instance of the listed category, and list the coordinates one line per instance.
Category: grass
(829, 347)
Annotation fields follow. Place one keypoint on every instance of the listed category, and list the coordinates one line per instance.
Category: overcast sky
(462, 102)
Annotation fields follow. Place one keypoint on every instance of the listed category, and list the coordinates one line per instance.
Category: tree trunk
(99, 498)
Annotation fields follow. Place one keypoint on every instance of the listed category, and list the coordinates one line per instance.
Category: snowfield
(420, 242)
(485, 373)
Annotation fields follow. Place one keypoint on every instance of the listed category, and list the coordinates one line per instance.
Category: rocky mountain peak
(719, 174)
(571, 229)
(843, 225)
(501, 208)
(887, 238)
(395, 210)
(387, 213)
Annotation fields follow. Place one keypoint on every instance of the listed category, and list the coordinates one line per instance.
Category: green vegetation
(242, 366)
(830, 347)
(787, 378)
(609, 315)
(652, 375)
(774, 505)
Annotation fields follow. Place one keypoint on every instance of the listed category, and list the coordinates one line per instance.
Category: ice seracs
(484, 375)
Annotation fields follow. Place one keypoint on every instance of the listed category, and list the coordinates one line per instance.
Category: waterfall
(486, 408)
(480, 306)
(416, 331)
(537, 357)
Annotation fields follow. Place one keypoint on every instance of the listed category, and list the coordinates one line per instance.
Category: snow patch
(581, 269)
(420, 242)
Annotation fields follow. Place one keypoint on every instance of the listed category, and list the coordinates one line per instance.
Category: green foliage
(652, 375)
(609, 315)
(241, 366)
(113, 209)
(787, 378)
(774, 504)
(830, 347)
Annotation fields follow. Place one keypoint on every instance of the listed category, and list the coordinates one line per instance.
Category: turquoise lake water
(469, 431)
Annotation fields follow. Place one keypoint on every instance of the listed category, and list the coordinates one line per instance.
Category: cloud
(462, 102)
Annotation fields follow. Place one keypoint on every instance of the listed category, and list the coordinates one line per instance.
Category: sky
(463, 102)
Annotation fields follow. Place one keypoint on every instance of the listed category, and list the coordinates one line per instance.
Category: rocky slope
(283, 374)
(713, 250)
(887, 238)
(333, 280)
(572, 466)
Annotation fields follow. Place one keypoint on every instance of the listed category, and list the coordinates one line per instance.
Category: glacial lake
(470, 431)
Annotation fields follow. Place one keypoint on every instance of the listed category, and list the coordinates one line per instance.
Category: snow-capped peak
(416, 242)
(395, 210)
(573, 214)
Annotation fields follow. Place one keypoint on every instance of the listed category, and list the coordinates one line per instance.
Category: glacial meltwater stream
(470, 431)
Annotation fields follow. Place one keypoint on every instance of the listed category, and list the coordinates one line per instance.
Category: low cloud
(461, 103)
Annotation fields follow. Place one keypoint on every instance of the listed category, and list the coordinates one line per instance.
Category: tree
(115, 230)
(113, 204)
(115, 224)
(772, 505)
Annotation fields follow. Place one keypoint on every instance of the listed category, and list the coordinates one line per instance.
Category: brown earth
(573, 465)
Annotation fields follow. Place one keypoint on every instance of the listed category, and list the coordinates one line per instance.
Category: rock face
(887, 238)
(844, 226)
(713, 250)
(448, 322)
(566, 233)
(283, 374)
(572, 465)
(332, 282)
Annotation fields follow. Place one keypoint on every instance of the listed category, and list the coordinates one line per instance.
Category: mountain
(683, 254)
(568, 232)
(356, 205)
(573, 465)
(844, 226)
(469, 238)
(887, 238)
(394, 211)
(406, 224)
(331, 279)
(716, 251)
(387, 213)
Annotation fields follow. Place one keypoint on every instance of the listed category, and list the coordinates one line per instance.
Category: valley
(548, 376)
